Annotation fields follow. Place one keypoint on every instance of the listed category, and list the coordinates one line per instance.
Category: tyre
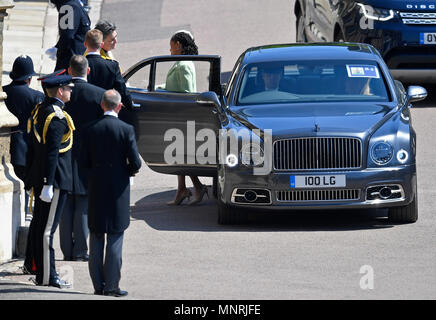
(339, 37)
(229, 215)
(405, 214)
(300, 35)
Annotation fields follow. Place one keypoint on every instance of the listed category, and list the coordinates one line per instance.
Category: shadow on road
(29, 288)
(154, 211)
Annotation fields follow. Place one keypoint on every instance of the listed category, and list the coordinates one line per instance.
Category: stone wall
(11, 188)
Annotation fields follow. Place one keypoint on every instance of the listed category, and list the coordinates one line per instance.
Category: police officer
(48, 171)
(20, 101)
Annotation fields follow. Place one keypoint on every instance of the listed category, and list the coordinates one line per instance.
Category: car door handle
(136, 105)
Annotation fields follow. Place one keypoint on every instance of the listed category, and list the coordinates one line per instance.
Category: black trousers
(105, 275)
(73, 228)
(62, 60)
(46, 221)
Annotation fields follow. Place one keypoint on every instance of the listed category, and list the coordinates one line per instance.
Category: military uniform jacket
(20, 101)
(106, 74)
(110, 153)
(50, 143)
(83, 107)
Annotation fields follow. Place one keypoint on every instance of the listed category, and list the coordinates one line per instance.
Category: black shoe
(83, 258)
(98, 292)
(27, 270)
(116, 293)
(58, 283)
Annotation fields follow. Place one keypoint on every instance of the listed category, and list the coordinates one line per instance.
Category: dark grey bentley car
(298, 126)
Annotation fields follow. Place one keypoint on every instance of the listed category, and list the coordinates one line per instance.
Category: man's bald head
(111, 100)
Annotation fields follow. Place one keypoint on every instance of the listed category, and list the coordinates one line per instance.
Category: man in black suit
(104, 73)
(73, 24)
(48, 172)
(110, 153)
(83, 107)
(20, 101)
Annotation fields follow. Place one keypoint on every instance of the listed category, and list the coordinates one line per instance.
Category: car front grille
(418, 18)
(316, 153)
(318, 195)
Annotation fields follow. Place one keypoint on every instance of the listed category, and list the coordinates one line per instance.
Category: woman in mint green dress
(181, 78)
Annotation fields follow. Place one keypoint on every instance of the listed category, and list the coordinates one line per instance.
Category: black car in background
(404, 31)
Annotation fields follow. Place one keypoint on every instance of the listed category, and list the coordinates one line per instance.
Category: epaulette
(58, 112)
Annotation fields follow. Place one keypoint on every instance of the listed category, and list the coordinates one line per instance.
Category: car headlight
(231, 160)
(402, 156)
(252, 155)
(382, 152)
(379, 14)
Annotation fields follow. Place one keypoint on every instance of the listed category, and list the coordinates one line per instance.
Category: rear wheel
(300, 34)
(405, 214)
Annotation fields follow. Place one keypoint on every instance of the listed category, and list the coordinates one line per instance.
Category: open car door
(170, 126)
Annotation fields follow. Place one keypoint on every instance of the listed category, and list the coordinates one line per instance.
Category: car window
(184, 76)
(233, 76)
(140, 79)
(312, 81)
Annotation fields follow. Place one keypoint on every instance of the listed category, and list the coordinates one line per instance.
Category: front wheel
(405, 214)
(229, 215)
(300, 34)
(339, 37)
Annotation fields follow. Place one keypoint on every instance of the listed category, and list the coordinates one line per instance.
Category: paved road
(182, 253)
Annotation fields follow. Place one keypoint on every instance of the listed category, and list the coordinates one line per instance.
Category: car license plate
(428, 38)
(323, 181)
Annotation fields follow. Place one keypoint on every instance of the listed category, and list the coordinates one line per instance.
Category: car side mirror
(416, 93)
(209, 98)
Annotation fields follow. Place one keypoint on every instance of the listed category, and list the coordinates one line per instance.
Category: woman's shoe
(198, 199)
(178, 200)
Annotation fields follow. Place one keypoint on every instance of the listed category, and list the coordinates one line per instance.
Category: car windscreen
(312, 81)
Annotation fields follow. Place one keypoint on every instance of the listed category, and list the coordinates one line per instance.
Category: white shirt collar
(80, 78)
(59, 100)
(93, 53)
(111, 113)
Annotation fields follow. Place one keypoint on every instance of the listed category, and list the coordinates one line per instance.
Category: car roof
(311, 51)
